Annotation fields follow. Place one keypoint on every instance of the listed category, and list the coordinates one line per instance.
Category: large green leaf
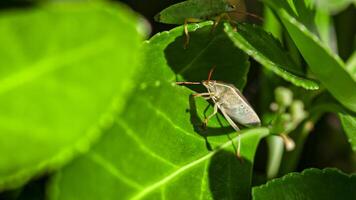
(325, 65)
(157, 148)
(265, 49)
(310, 184)
(65, 71)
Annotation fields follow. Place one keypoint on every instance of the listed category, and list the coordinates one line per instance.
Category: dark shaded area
(12, 4)
(199, 126)
(34, 190)
(252, 88)
(260, 162)
(207, 49)
(346, 32)
(229, 178)
(327, 146)
(6, 5)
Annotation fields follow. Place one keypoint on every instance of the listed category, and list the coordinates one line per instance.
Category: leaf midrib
(148, 189)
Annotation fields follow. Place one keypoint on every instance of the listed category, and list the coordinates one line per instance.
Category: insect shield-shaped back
(200, 10)
(232, 103)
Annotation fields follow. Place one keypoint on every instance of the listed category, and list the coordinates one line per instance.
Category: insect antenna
(211, 73)
(254, 16)
(250, 15)
(187, 83)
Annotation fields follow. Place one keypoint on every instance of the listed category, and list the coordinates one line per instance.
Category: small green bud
(284, 96)
(297, 111)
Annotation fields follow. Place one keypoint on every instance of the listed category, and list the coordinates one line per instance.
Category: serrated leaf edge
(301, 174)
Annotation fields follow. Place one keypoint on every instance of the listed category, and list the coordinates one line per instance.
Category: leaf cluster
(90, 108)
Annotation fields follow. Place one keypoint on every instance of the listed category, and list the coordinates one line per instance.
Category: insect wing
(176, 14)
(192, 11)
(195, 11)
(236, 106)
(231, 122)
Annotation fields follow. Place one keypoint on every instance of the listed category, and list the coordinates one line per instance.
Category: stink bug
(192, 11)
(231, 103)
(200, 10)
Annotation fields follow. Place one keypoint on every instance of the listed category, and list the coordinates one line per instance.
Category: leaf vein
(109, 167)
(163, 115)
(142, 146)
(203, 182)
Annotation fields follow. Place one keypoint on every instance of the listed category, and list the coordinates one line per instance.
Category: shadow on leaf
(229, 177)
(206, 50)
(199, 125)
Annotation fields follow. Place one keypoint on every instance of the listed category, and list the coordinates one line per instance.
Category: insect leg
(232, 123)
(206, 120)
(216, 23)
(202, 94)
(206, 95)
(236, 128)
(186, 32)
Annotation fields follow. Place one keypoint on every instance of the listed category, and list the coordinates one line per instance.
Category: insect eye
(232, 6)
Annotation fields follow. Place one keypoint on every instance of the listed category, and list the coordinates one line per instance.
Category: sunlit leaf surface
(61, 82)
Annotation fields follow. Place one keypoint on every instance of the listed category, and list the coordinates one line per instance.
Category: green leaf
(157, 148)
(65, 71)
(310, 184)
(325, 65)
(349, 124)
(302, 10)
(265, 49)
(351, 65)
(299, 18)
(333, 6)
(206, 50)
(317, 21)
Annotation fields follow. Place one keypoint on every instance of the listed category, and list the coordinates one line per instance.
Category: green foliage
(90, 111)
(266, 50)
(349, 124)
(52, 102)
(317, 54)
(333, 5)
(310, 184)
